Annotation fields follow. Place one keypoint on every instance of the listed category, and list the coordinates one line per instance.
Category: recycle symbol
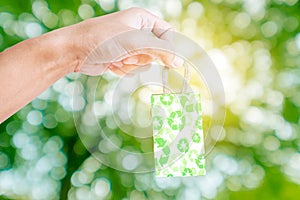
(176, 120)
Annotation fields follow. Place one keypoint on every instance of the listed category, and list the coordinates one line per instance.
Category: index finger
(158, 26)
(141, 19)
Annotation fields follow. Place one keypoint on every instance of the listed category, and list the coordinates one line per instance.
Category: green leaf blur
(255, 45)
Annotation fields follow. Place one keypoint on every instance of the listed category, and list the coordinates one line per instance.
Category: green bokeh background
(256, 47)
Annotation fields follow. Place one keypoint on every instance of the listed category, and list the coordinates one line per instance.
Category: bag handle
(165, 72)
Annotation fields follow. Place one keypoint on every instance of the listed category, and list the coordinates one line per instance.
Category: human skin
(30, 67)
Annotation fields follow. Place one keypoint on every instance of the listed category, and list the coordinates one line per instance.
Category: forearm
(30, 67)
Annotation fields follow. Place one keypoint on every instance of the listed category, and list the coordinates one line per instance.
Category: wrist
(57, 52)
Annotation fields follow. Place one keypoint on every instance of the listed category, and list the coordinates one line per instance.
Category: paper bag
(178, 135)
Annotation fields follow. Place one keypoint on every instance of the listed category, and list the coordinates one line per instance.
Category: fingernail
(131, 60)
(177, 62)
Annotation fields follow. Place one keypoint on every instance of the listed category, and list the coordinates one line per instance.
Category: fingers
(131, 63)
(169, 58)
(138, 42)
(127, 69)
(141, 19)
(134, 60)
(116, 70)
(159, 27)
(137, 38)
(140, 59)
(162, 30)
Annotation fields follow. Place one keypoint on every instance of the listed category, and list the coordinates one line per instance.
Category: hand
(122, 41)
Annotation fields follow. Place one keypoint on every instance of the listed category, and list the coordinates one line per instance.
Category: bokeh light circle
(108, 140)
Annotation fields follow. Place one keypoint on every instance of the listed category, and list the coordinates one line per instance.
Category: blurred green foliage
(256, 47)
